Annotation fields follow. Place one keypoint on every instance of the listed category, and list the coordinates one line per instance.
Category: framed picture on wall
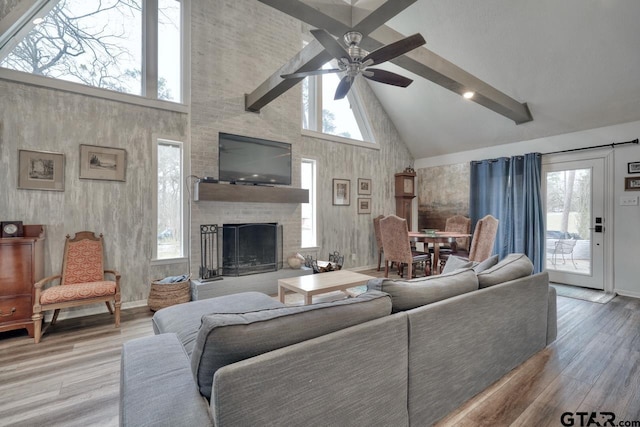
(631, 184)
(341, 192)
(102, 163)
(633, 167)
(40, 170)
(364, 186)
(364, 205)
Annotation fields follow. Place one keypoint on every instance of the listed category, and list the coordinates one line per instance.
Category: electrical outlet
(353, 257)
(628, 200)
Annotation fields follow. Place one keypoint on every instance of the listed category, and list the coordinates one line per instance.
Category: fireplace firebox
(251, 248)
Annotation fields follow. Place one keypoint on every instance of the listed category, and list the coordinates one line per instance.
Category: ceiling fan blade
(395, 49)
(330, 44)
(384, 76)
(309, 73)
(343, 87)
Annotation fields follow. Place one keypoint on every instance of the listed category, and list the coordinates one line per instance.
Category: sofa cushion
(513, 266)
(413, 293)
(184, 319)
(227, 338)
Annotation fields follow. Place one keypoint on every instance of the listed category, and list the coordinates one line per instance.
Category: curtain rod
(612, 145)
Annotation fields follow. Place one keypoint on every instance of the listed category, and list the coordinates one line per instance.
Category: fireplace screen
(251, 248)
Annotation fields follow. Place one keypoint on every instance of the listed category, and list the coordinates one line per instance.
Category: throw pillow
(512, 267)
(455, 262)
(486, 264)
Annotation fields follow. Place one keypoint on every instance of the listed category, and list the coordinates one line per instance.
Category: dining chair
(82, 281)
(484, 237)
(376, 231)
(455, 224)
(397, 248)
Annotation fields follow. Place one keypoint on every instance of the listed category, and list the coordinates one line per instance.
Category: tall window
(321, 113)
(101, 44)
(170, 200)
(308, 182)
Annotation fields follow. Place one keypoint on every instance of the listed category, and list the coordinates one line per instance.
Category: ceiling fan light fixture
(468, 94)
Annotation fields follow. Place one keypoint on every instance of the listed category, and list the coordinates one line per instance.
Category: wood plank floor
(72, 377)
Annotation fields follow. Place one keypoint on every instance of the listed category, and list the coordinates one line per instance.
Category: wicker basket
(163, 295)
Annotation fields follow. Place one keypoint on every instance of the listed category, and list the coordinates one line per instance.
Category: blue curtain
(509, 189)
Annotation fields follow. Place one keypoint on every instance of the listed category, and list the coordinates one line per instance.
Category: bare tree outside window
(169, 201)
(96, 43)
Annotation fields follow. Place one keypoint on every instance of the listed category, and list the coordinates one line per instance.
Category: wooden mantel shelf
(205, 191)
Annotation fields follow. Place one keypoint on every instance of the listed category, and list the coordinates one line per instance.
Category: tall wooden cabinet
(405, 193)
(21, 265)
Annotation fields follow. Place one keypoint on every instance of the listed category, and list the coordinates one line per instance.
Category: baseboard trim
(624, 293)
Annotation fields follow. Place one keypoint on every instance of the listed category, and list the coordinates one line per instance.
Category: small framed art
(364, 205)
(102, 163)
(341, 192)
(364, 186)
(631, 184)
(633, 167)
(40, 170)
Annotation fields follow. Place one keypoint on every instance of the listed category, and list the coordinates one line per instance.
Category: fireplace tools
(208, 253)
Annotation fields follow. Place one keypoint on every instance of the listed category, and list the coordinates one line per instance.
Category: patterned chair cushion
(77, 291)
(83, 262)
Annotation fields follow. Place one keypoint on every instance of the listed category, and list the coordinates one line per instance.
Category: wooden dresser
(21, 265)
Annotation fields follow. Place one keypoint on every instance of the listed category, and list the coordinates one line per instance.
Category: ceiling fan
(355, 60)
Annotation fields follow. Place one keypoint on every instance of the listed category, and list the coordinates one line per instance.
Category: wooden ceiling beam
(421, 61)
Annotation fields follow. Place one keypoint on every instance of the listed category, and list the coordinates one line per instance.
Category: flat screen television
(243, 159)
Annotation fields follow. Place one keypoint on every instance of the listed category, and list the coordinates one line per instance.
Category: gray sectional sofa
(402, 353)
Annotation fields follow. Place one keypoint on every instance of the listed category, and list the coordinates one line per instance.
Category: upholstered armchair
(397, 248)
(81, 282)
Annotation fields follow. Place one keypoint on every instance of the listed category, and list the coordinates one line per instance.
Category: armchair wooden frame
(39, 308)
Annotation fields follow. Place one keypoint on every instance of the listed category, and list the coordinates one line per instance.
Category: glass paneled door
(575, 223)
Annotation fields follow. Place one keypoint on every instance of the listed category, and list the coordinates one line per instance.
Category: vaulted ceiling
(575, 63)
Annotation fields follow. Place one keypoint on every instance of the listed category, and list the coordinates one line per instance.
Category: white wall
(625, 225)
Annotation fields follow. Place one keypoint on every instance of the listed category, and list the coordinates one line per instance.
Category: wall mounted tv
(253, 160)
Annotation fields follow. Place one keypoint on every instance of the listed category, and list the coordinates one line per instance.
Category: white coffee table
(321, 283)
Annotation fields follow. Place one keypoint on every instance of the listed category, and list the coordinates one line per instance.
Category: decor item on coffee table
(81, 282)
(166, 293)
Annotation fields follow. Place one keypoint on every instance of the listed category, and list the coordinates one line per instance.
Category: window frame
(185, 220)
(312, 202)
(149, 65)
(314, 84)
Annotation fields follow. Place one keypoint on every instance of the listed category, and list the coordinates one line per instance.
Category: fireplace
(251, 248)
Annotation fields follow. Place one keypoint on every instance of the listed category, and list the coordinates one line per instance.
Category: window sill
(168, 261)
(95, 92)
(339, 139)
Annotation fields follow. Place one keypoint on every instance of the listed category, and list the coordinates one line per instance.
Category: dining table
(435, 238)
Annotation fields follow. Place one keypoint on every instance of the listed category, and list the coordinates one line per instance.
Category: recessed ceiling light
(468, 95)
(38, 21)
